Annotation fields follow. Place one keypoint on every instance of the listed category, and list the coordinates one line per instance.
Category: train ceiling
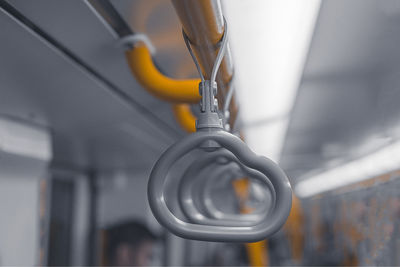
(61, 67)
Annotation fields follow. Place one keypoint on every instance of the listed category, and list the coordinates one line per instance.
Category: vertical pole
(44, 215)
(92, 246)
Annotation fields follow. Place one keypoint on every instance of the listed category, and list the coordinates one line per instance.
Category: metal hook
(189, 47)
(220, 55)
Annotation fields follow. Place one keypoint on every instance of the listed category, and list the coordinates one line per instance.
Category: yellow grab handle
(294, 229)
(258, 251)
(185, 117)
(163, 87)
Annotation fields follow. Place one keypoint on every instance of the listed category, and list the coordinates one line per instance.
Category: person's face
(143, 253)
(128, 255)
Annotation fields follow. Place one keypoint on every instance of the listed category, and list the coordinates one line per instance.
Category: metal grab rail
(190, 209)
(260, 231)
(204, 25)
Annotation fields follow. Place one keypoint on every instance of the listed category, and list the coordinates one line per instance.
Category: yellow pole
(185, 117)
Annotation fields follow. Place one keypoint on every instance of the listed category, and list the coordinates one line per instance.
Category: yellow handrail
(185, 117)
(161, 86)
(294, 230)
(258, 251)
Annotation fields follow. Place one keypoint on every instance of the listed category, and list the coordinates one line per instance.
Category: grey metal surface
(87, 37)
(347, 103)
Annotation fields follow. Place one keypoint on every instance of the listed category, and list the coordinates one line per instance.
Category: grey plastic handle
(196, 171)
(258, 232)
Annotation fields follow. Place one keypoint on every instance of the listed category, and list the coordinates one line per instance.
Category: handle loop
(260, 231)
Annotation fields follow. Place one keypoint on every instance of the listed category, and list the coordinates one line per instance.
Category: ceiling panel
(345, 104)
(77, 27)
(354, 37)
(38, 83)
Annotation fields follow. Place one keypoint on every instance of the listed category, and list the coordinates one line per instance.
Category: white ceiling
(347, 103)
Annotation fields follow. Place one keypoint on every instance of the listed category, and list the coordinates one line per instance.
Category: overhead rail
(184, 91)
(203, 23)
(177, 91)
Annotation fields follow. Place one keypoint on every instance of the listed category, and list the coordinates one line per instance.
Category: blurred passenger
(129, 244)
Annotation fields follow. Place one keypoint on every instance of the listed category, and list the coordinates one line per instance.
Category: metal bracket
(209, 118)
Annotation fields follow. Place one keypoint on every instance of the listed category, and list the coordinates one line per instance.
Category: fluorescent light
(24, 140)
(256, 136)
(382, 161)
(269, 41)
